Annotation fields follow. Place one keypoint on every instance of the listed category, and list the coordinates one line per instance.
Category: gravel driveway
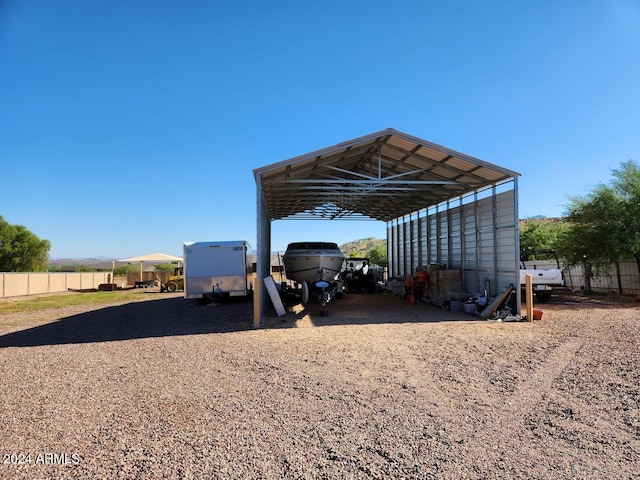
(161, 388)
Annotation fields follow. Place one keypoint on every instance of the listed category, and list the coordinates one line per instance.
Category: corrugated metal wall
(476, 233)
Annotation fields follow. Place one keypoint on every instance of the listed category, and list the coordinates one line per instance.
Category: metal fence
(621, 277)
(32, 283)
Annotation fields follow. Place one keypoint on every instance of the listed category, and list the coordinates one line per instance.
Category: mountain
(359, 248)
(80, 261)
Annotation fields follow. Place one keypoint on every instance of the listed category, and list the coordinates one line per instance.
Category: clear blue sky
(130, 127)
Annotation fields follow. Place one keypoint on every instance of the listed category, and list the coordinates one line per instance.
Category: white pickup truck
(545, 272)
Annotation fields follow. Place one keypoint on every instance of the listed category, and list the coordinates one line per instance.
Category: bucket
(470, 308)
(537, 314)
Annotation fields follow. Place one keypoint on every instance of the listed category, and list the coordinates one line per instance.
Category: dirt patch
(607, 300)
(162, 388)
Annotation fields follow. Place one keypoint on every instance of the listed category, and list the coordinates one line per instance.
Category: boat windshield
(313, 246)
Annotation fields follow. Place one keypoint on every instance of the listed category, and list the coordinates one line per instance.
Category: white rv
(217, 270)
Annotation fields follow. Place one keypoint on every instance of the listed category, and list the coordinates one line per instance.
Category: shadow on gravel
(362, 309)
(175, 316)
(154, 318)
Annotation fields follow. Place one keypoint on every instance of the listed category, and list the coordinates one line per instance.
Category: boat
(312, 262)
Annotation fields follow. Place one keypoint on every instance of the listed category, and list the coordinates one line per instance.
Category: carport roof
(381, 176)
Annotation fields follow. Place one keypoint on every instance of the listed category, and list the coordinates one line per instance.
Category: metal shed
(441, 206)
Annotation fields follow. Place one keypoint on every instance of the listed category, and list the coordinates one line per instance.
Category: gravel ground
(162, 388)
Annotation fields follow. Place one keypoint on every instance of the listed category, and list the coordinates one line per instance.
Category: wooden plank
(495, 303)
(275, 296)
(529, 296)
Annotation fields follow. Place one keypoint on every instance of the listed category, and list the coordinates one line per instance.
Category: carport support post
(263, 254)
(516, 253)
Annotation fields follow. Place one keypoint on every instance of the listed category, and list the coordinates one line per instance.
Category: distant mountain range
(358, 247)
(80, 261)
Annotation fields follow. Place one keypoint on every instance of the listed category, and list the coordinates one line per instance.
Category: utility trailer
(217, 270)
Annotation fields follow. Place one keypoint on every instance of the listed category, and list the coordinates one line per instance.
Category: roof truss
(381, 176)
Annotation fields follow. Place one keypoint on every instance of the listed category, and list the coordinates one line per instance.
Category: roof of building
(381, 176)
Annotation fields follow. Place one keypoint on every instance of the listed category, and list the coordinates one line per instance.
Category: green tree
(84, 268)
(378, 254)
(123, 270)
(165, 267)
(541, 234)
(603, 226)
(21, 250)
(626, 184)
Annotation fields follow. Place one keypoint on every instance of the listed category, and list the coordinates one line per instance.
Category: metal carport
(439, 204)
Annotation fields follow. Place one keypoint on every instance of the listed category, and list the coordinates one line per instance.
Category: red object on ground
(422, 277)
(537, 314)
(636, 298)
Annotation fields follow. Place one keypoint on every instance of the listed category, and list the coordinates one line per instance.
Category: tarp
(153, 257)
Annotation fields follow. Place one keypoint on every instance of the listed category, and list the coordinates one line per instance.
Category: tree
(84, 268)
(21, 250)
(123, 270)
(603, 226)
(541, 234)
(626, 184)
(378, 254)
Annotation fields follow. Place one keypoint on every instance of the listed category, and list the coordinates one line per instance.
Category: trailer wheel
(305, 293)
(172, 286)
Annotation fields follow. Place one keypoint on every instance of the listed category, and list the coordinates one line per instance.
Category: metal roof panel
(380, 176)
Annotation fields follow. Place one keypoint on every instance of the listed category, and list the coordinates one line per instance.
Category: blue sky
(131, 127)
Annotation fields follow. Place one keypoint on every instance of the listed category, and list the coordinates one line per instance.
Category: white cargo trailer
(217, 270)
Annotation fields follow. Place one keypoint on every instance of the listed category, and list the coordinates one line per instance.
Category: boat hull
(313, 261)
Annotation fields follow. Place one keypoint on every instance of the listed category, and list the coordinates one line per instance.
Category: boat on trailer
(313, 261)
(316, 266)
